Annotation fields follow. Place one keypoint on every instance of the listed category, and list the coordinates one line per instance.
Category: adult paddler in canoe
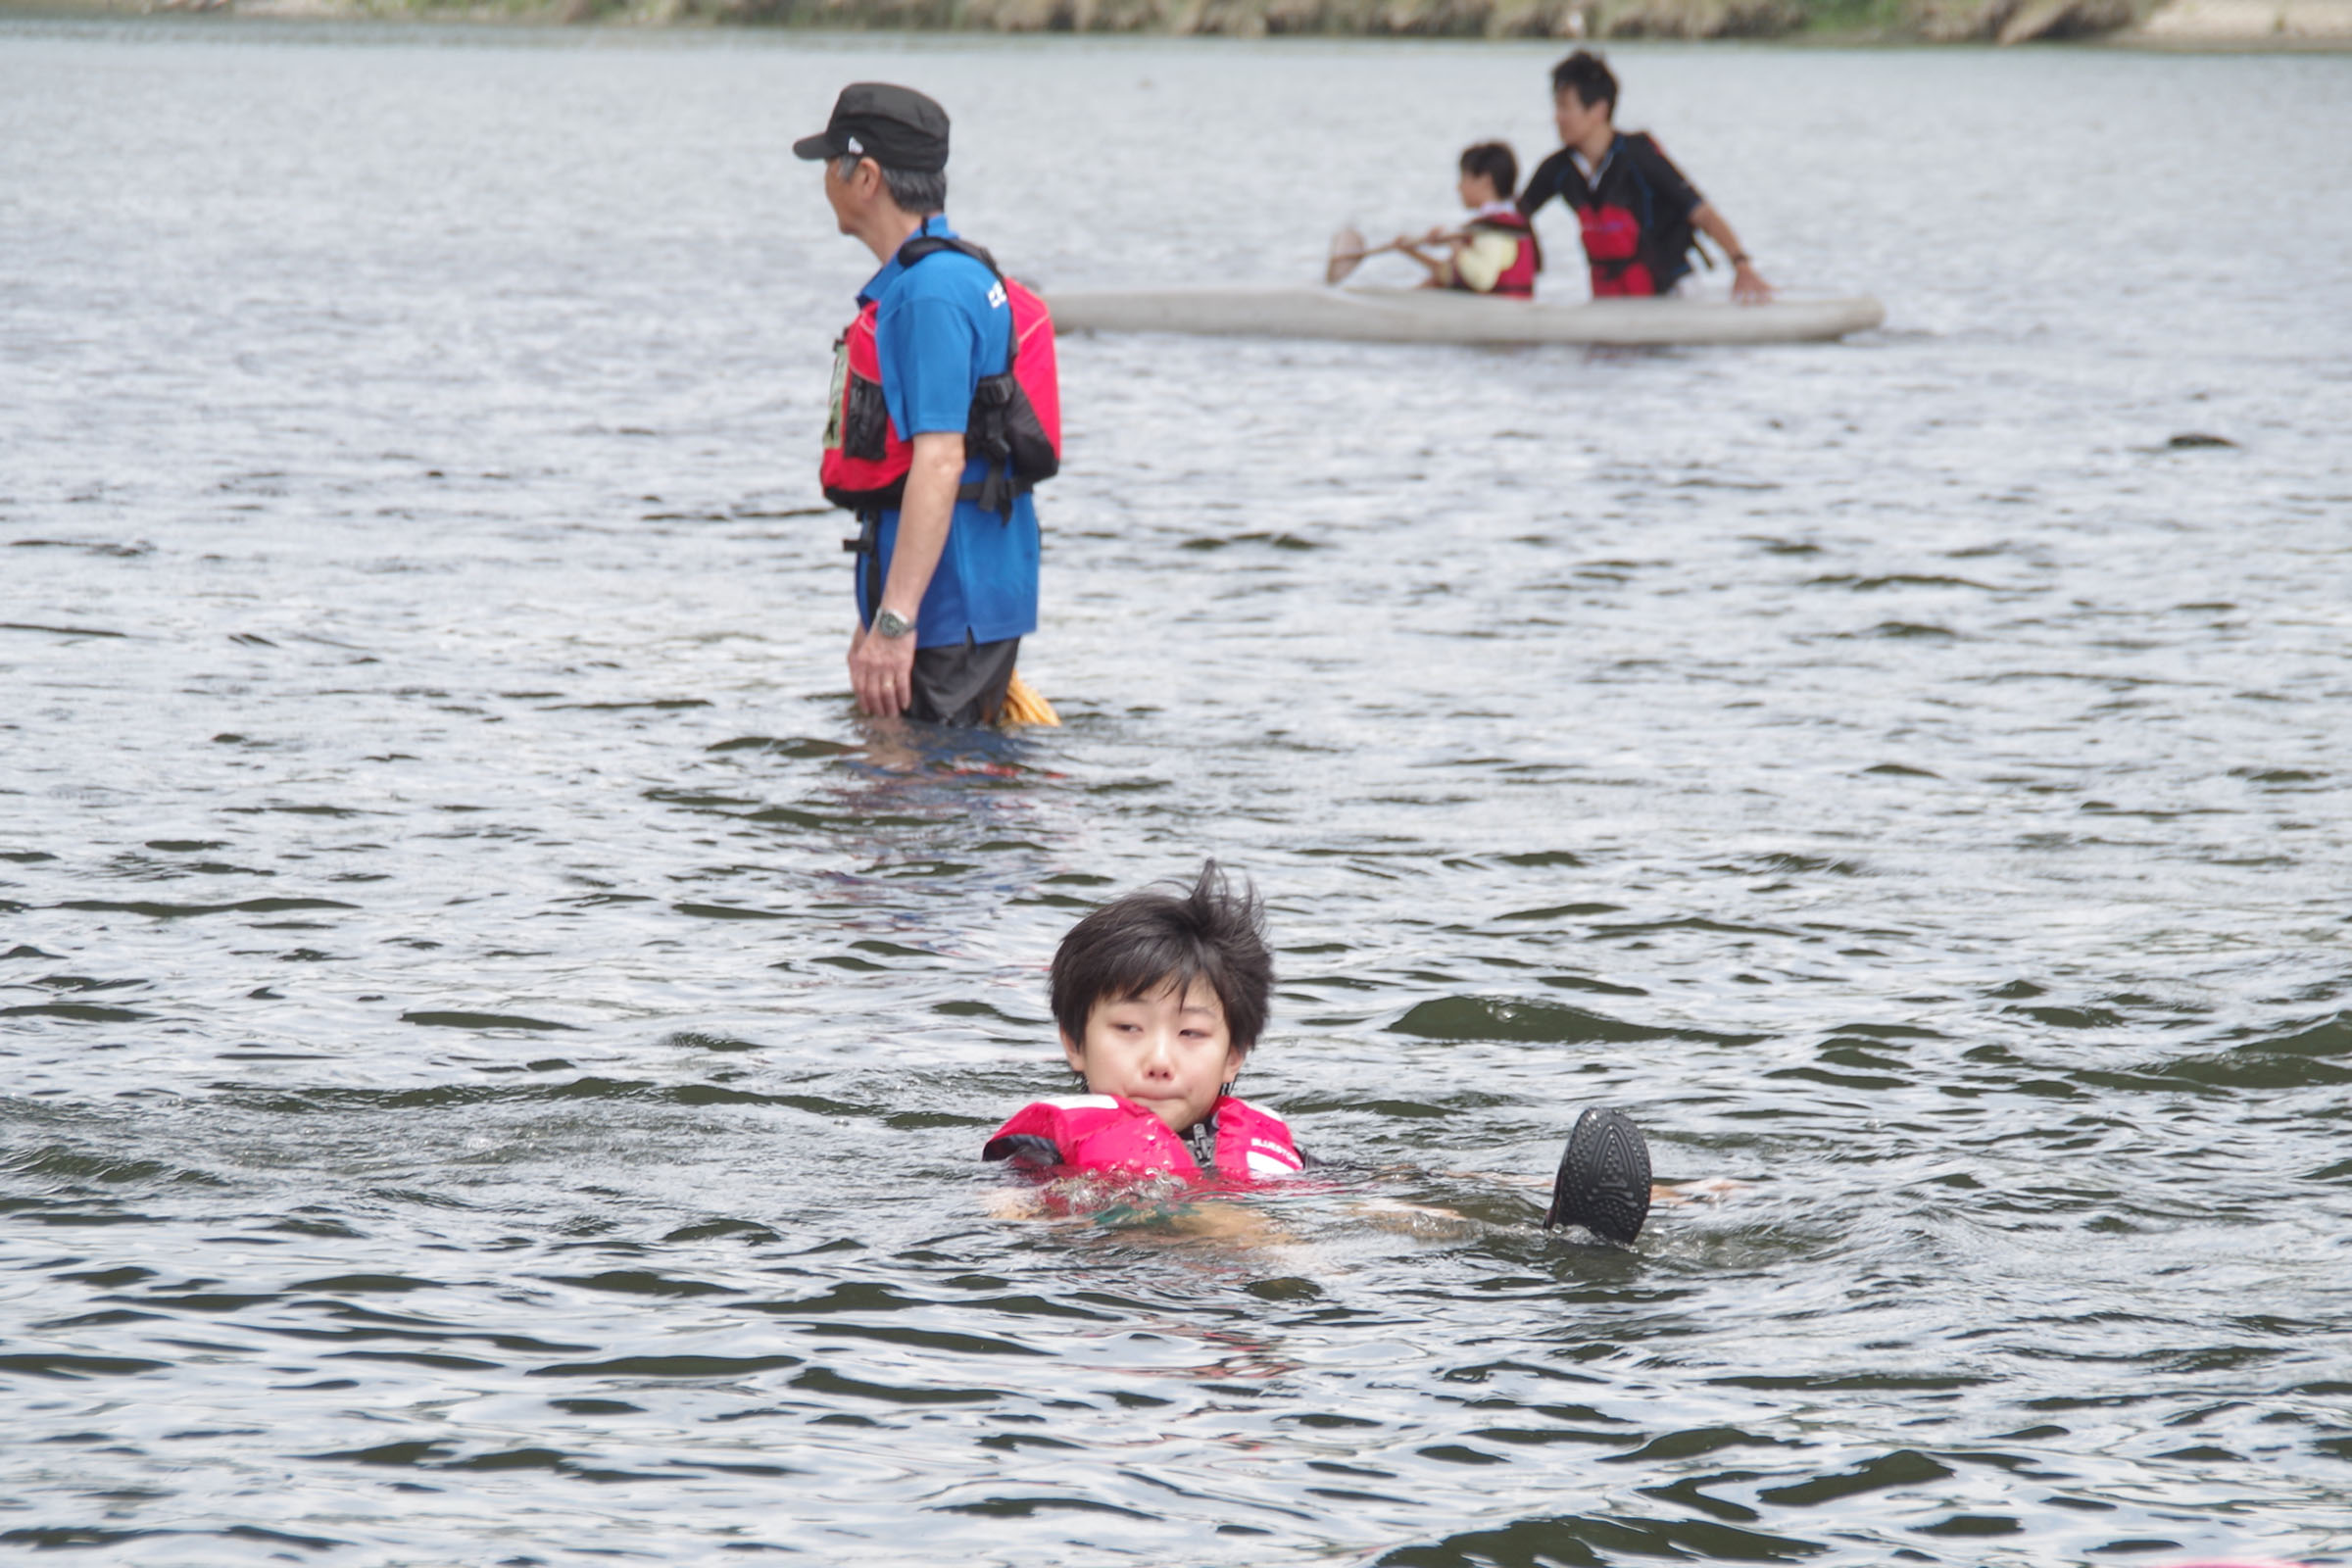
(1639, 221)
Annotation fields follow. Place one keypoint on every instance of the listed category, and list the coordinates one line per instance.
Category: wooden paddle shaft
(1359, 250)
(1349, 250)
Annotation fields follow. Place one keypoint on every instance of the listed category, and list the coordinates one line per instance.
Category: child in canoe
(1160, 998)
(1496, 251)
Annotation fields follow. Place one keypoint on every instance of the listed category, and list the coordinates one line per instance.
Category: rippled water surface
(492, 1056)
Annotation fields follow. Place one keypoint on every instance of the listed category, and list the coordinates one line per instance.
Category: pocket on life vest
(1611, 234)
(864, 419)
(841, 381)
(1012, 431)
(1007, 434)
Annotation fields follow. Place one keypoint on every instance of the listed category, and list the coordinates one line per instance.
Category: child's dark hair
(1143, 942)
(1590, 76)
(1496, 160)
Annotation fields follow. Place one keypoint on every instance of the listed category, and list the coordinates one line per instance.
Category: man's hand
(1436, 266)
(882, 672)
(882, 668)
(1748, 284)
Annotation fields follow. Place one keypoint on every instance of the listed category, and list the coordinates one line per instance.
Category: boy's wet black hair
(1590, 75)
(1496, 160)
(1142, 944)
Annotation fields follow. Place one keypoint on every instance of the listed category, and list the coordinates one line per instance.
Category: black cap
(896, 127)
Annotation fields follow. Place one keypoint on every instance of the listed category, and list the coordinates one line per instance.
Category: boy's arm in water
(1207, 1219)
(1215, 1219)
(1690, 1190)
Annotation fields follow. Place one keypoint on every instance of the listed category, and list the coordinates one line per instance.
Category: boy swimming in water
(1160, 998)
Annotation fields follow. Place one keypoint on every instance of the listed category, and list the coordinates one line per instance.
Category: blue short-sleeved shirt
(940, 326)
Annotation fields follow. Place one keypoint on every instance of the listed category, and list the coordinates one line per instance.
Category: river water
(492, 1056)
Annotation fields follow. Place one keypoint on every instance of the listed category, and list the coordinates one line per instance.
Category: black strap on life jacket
(998, 486)
(1651, 250)
(1202, 1143)
(1662, 257)
(868, 546)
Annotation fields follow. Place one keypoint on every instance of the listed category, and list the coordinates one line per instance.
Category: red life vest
(1107, 1133)
(1518, 279)
(1613, 249)
(1015, 418)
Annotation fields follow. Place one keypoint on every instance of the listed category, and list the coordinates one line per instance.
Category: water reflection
(495, 1070)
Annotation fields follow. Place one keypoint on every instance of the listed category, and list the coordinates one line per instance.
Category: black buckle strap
(999, 487)
(868, 544)
(996, 491)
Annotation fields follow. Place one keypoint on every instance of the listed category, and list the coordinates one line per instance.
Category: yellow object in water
(1023, 706)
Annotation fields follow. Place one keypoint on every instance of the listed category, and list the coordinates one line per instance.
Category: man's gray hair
(917, 194)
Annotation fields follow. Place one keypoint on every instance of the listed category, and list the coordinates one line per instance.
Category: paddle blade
(1023, 706)
(1347, 253)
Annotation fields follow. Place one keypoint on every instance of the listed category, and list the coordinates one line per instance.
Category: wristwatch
(890, 623)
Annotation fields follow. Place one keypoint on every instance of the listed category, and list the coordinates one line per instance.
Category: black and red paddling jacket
(1518, 279)
(1015, 418)
(1635, 211)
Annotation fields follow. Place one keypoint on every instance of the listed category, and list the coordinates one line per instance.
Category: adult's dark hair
(918, 193)
(1590, 76)
(1142, 944)
(1496, 160)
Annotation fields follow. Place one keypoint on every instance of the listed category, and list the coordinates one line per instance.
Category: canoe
(1434, 316)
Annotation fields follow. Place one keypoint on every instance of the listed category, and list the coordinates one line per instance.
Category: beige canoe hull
(1432, 315)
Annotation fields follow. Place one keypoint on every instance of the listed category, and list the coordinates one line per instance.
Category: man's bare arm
(882, 668)
(1748, 284)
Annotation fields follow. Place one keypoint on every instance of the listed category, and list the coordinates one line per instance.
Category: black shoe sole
(1604, 1182)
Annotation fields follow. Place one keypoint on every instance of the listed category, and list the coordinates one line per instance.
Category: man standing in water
(925, 437)
(1636, 210)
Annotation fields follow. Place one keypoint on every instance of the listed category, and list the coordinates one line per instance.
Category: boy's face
(1477, 191)
(1575, 118)
(1168, 1051)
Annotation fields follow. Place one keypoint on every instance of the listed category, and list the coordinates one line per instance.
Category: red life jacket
(1015, 418)
(1518, 279)
(1107, 1133)
(1613, 249)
